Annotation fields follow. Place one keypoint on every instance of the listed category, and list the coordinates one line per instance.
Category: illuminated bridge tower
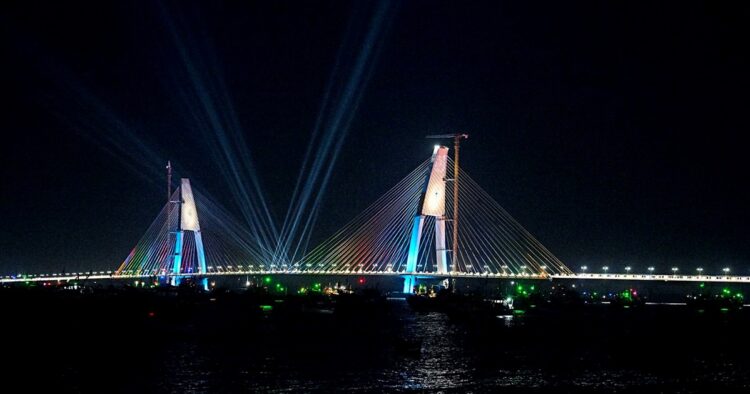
(187, 225)
(432, 204)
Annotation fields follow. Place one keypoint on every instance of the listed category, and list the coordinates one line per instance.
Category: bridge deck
(583, 276)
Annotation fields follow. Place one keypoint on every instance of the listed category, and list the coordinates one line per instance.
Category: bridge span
(403, 233)
(424, 275)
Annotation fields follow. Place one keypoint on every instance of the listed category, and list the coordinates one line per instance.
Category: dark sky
(614, 131)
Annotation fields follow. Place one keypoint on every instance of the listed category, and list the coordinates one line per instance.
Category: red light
(151, 314)
(361, 281)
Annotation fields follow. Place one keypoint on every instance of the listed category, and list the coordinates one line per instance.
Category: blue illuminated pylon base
(409, 282)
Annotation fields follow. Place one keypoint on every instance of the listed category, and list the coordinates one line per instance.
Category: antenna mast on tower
(169, 181)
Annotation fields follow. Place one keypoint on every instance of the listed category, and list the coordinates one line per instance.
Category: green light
(267, 279)
(724, 309)
(532, 288)
(702, 285)
(266, 308)
(278, 285)
(518, 311)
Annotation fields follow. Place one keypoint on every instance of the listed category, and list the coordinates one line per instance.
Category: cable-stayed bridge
(412, 231)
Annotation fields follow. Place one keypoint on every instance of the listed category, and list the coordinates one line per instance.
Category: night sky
(613, 131)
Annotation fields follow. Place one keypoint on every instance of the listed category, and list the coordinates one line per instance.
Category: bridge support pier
(177, 257)
(411, 259)
(409, 282)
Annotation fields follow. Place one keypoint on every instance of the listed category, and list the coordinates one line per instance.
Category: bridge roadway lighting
(674, 270)
(651, 270)
(627, 269)
(726, 270)
(605, 268)
(700, 271)
(584, 268)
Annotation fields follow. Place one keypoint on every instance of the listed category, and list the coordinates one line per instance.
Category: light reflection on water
(452, 358)
(442, 363)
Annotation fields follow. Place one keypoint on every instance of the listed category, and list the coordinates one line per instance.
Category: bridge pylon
(432, 203)
(187, 224)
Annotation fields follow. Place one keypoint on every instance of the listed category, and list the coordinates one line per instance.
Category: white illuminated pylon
(188, 222)
(433, 204)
